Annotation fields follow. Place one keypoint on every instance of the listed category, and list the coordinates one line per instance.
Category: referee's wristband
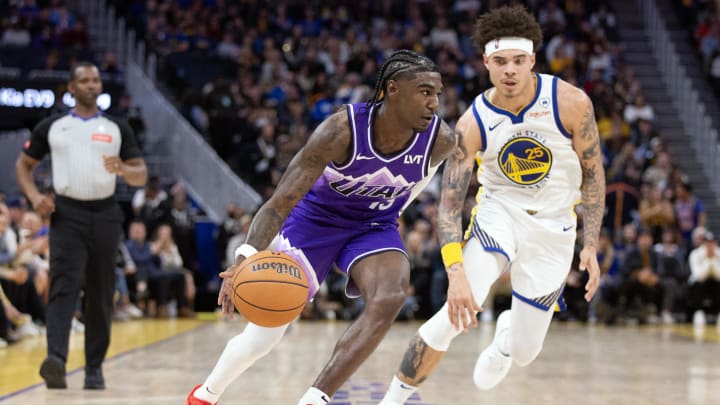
(244, 250)
(451, 253)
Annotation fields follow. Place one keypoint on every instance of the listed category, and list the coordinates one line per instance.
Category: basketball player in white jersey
(536, 142)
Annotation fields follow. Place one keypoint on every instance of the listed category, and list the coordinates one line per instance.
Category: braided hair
(400, 65)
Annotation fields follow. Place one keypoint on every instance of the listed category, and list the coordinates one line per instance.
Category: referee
(88, 150)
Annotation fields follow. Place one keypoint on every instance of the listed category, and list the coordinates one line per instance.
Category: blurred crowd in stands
(47, 35)
(702, 19)
(255, 78)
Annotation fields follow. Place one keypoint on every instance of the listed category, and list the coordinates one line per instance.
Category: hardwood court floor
(580, 364)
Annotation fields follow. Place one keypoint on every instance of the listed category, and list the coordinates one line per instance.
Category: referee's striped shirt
(76, 146)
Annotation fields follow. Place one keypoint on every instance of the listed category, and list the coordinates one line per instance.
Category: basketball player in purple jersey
(338, 203)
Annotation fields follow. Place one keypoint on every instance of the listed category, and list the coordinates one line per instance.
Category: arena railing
(208, 179)
(686, 99)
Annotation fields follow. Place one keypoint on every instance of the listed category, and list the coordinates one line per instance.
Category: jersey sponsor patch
(538, 114)
(102, 138)
(524, 159)
(413, 159)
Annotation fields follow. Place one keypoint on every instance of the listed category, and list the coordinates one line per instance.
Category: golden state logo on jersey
(525, 160)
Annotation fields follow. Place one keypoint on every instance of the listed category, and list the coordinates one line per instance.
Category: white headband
(501, 44)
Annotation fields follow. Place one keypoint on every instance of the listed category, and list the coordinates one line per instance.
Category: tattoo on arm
(593, 185)
(460, 149)
(588, 128)
(329, 142)
(264, 226)
(590, 151)
(456, 178)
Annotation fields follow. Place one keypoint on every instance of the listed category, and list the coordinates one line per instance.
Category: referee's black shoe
(94, 379)
(52, 371)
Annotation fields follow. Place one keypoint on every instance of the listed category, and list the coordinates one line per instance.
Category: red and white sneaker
(191, 400)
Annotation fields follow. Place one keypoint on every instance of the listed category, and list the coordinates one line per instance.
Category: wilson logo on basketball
(280, 268)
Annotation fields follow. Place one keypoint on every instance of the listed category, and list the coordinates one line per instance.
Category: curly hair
(507, 21)
(402, 64)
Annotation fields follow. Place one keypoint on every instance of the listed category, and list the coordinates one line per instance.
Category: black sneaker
(94, 379)
(52, 371)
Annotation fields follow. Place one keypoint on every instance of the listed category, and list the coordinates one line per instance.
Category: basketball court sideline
(159, 361)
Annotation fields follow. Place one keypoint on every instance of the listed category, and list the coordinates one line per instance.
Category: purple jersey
(351, 211)
(370, 186)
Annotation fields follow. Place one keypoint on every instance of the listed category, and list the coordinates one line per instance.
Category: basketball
(270, 289)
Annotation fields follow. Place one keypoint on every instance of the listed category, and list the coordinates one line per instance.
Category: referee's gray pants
(84, 241)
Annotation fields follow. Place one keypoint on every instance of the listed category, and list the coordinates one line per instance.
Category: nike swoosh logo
(496, 125)
(405, 387)
(567, 228)
(363, 157)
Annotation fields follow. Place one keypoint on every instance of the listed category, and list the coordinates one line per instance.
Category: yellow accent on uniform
(451, 253)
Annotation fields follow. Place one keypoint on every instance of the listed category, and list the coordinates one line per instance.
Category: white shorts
(539, 247)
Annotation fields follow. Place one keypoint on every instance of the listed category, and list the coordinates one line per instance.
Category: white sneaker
(3, 343)
(699, 319)
(121, 315)
(77, 326)
(492, 365)
(133, 311)
(29, 329)
(26, 327)
(667, 318)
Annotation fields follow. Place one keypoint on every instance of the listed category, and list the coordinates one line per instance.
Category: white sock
(239, 354)
(205, 394)
(398, 392)
(314, 396)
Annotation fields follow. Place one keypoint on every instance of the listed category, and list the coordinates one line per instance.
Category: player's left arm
(577, 113)
(444, 143)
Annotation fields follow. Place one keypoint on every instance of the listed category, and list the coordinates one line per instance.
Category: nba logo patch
(497, 43)
(545, 102)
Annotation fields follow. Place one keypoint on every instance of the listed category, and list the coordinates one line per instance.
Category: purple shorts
(317, 246)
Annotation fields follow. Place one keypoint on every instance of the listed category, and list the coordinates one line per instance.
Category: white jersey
(527, 160)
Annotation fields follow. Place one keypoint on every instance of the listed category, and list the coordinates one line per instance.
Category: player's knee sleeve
(527, 332)
(524, 351)
(438, 332)
(257, 340)
(482, 268)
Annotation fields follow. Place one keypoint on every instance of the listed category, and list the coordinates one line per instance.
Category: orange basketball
(270, 289)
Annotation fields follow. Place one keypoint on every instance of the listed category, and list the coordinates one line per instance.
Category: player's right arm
(329, 142)
(456, 178)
